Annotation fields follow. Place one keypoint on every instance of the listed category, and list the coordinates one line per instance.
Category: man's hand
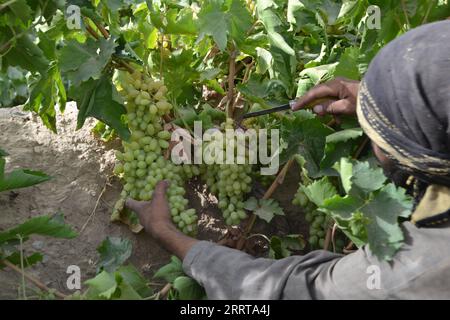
(153, 215)
(155, 218)
(341, 92)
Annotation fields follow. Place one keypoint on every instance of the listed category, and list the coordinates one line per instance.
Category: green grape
(142, 163)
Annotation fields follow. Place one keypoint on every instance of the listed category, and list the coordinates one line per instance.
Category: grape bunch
(142, 163)
(230, 183)
(319, 222)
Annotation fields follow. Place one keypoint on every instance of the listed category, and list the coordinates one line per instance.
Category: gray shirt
(419, 270)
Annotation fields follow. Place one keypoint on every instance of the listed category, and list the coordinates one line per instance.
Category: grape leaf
(313, 76)
(320, 190)
(240, 21)
(133, 278)
(307, 138)
(343, 207)
(20, 178)
(277, 250)
(251, 204)
(42, 225)
(188, 289)
(95, 99)
(113, 253)
(28, 261)
(81, 62)
(170, 271)
(45, 94)
(102, 286)
(370, 211)
(22, 10)
(27, 55)
(124, 284)
(214, 22)
(384, 234)
(282, 247)
(367, 179)
(344, 135)
(267, 13)
(265, 209)
(348, 64)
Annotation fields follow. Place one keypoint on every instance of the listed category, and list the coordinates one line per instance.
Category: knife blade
(268, 111)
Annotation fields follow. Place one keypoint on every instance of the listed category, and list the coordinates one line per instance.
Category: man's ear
(381, 156)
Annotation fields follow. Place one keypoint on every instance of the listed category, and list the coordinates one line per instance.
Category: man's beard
(396, 174)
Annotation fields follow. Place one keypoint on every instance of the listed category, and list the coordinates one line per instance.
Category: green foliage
(306, 137)
(126, 283)
(185, 288)
(282, 247)
(11, 240)
(170, 271)
(265, 209)
(19, 178)
(113, 253)
(41, 225)
(369, 211)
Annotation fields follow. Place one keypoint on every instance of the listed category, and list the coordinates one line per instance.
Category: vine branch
(231, 76)
(33, 280)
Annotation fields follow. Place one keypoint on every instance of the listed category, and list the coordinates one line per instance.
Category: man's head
(404, 104)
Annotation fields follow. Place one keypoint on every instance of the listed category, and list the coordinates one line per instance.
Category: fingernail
(292, 104)
(319, 109)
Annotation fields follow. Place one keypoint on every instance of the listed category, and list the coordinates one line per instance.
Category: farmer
(403, 105)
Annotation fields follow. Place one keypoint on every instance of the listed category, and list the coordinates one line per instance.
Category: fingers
(161, 187)
(133, 205)
(330, 89)
(341, 107)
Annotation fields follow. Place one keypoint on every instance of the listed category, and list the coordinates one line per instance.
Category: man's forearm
(175, 241)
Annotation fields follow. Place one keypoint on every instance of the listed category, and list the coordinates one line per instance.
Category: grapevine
(142, 164)
(230, 182)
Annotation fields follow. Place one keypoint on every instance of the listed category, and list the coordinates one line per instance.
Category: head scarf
(404, 103)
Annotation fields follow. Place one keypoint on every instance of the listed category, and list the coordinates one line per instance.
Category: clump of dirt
(81, 167)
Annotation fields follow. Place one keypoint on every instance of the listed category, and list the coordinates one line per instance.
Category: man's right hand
(341, 92)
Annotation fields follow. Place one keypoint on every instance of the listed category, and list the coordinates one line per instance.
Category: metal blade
(268, 111)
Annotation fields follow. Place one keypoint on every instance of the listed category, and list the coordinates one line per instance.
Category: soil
(81, 167)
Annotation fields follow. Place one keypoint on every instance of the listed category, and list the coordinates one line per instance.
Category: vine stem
(102, 29)
(30, 278)
(361, 148)
(6, 4)
(95, 207)
(164, 291)
(425, 18)
(277, 182)
(231, 75)
(92, 32)
(328, 238)
(333, 236)
(405, 12)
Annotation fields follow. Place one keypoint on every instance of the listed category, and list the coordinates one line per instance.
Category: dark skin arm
(154, 216)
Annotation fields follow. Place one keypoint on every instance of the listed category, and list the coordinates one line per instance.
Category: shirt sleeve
(419, 270)
(232, 274)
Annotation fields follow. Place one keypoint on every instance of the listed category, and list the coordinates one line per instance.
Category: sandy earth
(80, 166)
